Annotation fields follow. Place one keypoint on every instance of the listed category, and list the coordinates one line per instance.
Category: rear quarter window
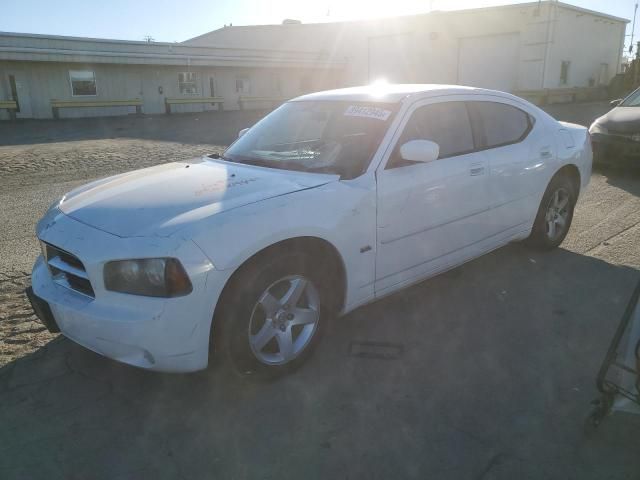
(499, 124)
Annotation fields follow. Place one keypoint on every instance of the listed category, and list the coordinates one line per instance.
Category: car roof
(393, 93)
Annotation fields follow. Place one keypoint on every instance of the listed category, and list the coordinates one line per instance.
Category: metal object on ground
(619, 377)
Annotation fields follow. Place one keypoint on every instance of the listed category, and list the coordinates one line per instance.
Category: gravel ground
(71, 414)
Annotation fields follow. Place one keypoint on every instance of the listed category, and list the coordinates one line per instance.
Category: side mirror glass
(616, 102)
(242, 132)
(420, 151)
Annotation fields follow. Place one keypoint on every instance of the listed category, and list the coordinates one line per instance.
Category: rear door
(429, 214)
(516, 152)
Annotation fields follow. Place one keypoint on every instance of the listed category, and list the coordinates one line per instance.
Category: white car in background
(331, 201)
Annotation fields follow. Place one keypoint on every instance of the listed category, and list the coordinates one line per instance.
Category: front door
(431, 214)
(19, 92)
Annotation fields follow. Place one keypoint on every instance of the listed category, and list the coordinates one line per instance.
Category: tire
(556, 208)
(255, 311)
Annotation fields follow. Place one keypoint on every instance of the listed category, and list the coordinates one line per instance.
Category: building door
(490, 61)
(19, 92)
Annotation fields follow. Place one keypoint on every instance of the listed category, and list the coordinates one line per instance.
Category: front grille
(67, 270)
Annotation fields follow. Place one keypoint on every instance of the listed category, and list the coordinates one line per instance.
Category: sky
(178, 20)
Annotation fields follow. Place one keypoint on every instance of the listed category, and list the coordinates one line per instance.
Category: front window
(83, 83)
(446, 124)
(316, 136)
(187, 83)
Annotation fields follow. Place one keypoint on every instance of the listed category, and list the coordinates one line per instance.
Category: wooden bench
(56, 105)
(11, 106)
(218, 101)
(272, 101)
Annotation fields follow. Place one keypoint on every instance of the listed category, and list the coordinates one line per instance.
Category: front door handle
(476, 170)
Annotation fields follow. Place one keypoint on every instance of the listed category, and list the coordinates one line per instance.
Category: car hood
(621, 120)
(161, 200)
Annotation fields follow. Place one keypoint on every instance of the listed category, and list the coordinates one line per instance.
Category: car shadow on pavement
(493, 380)
(624, 178)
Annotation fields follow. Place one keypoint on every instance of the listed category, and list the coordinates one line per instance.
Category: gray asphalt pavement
(493, 375)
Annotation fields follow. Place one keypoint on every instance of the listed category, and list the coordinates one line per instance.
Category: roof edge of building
(564, 5)
(42, 36)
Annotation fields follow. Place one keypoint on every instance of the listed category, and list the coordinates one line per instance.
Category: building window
(564, 72)
(83, 83)
(243, 85)
(187, 83)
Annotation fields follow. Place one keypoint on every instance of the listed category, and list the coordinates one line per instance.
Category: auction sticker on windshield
(367, 112)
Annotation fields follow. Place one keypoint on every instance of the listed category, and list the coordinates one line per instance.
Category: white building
(39, 71)
(524, 47)
(515, 47)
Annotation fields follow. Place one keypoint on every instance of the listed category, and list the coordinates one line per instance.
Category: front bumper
(164, 334)
(615, 149)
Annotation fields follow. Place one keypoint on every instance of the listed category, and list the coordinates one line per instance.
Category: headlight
(151, 277)
(598, 128)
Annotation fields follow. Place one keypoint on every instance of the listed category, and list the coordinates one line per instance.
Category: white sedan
(332, 201)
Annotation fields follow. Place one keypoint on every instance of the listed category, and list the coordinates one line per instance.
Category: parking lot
(492, 378)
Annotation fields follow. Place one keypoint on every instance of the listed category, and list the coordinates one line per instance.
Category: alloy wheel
(284, 320)
(557, 214)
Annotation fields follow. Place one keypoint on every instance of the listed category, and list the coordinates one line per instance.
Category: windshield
(633, 100)
(315, 136)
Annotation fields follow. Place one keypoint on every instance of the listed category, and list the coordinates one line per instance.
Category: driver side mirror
(420, 151)
(242, 132)
(616, 102)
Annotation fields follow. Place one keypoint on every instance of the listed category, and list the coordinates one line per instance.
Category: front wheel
(554, 214)
(274, 318)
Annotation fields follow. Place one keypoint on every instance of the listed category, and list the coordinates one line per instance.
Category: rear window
(500, 124)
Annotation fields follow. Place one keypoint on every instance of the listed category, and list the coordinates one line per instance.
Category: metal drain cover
(379, 350)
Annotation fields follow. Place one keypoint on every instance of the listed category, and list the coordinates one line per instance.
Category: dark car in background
(616, 135)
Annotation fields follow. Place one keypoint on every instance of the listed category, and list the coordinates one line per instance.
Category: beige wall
(584, 39)
(588, 42)
(427, 47)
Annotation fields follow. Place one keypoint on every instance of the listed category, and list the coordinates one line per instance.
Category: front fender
(341, 213)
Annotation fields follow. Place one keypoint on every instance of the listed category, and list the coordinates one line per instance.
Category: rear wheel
(274, 317)
(554, 214)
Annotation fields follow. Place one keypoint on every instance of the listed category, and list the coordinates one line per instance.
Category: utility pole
(633, 28)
